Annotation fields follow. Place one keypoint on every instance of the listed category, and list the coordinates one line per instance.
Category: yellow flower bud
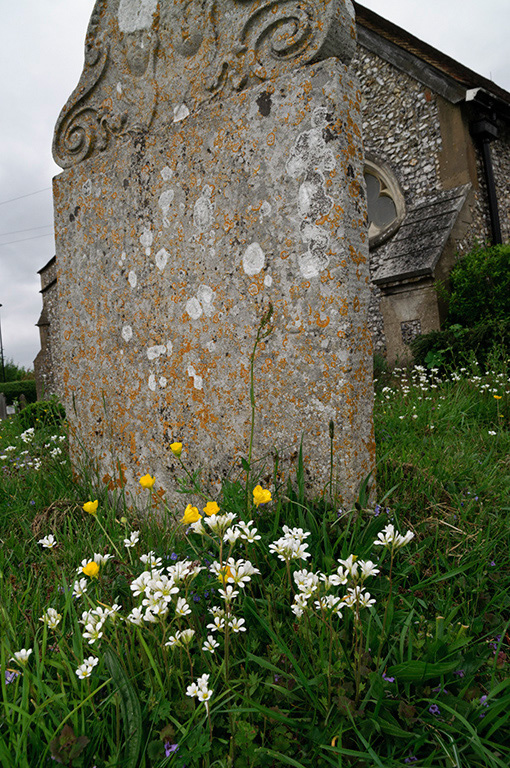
(147, 481)
(261, 496)
(91, 507)
(176, 449)
(191, 515)
(211, 508)
(91, 569)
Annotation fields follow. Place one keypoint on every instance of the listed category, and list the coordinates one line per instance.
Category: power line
(4, 202)
(19, 231)
(25, 239)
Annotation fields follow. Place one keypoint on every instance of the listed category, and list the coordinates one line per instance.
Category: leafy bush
(455, 346)
(480, 287)
(44, 413)
(14, 389)
(478, 320)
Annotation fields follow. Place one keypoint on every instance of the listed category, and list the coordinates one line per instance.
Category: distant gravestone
(213, 166)
(22, 402)
(3, 406)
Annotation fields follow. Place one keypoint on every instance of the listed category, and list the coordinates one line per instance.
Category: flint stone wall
(172, 242)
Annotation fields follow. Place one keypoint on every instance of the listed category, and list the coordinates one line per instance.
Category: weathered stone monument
(214, 166)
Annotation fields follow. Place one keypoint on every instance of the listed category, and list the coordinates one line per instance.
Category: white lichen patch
(154, 352)
(146, 240)
(181, 113)
(162, 382)
(162, 259)
(253, 259)
(166, 173)
(133, 280)
(127, 333)
(205, 296)
(203, 210)
(152, 382)
(198, 381)
(194, 308)
(268, 281)
(135, 15)
(169, 348)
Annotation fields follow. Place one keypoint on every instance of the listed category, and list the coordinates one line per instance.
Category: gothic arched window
(385, 202)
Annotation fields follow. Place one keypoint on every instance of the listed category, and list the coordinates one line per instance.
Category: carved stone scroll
(148, 63)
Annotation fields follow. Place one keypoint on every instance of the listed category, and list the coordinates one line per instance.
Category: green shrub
(43, 413)
(14, 389)
(478, 320)
(455, 346)
(480, 287)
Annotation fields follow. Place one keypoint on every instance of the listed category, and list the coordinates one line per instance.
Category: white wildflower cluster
(85, 669)
(51, 618)
(222, 525)
(291, 546)
(315, 586)
(159, 588)
(392, 539)
(200, 689)
(234, 575)
(94, 621)
(28, 435)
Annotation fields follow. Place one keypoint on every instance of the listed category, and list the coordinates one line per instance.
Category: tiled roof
(419, 243)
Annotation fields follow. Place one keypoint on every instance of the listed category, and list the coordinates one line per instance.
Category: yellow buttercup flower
(176, 449)
(147, 481)
(260, 496)
(91, 507)
(211, 508)
(224, 574)
(91, 569)
(191, 515)
(497, 397)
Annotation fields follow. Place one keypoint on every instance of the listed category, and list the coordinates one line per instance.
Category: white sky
(41, 58)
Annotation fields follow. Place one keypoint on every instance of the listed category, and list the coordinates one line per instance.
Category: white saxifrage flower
(85, 669)
(392, 539)
(51, 618)
(80, 587)
(48, 542)
(134, 538)
(210, 644)
(22, 656)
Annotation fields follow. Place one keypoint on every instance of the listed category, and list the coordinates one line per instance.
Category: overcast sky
(41, 56)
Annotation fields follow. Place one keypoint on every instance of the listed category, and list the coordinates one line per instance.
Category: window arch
(385, 202)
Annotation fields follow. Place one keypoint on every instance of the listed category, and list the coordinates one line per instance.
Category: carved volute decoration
(150, 63)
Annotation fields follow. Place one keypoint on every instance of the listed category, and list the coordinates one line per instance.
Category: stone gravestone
(213, 166)
(3, 406)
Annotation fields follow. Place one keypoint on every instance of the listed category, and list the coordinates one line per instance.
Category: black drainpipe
(485, 131)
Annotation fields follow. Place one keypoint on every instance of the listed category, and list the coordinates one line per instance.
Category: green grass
(419, 678)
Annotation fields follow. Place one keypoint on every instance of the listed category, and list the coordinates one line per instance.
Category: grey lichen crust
(150, 63)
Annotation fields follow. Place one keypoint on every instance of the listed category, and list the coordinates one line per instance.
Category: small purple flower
(170, 749)
(411, 759)
(388, 679)
(484, 702)
(434, 709)
(196, 598)
(459, 673)
(174, 556)
(10, 676)
(377, 510)
(439, 690)
(492, 564)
